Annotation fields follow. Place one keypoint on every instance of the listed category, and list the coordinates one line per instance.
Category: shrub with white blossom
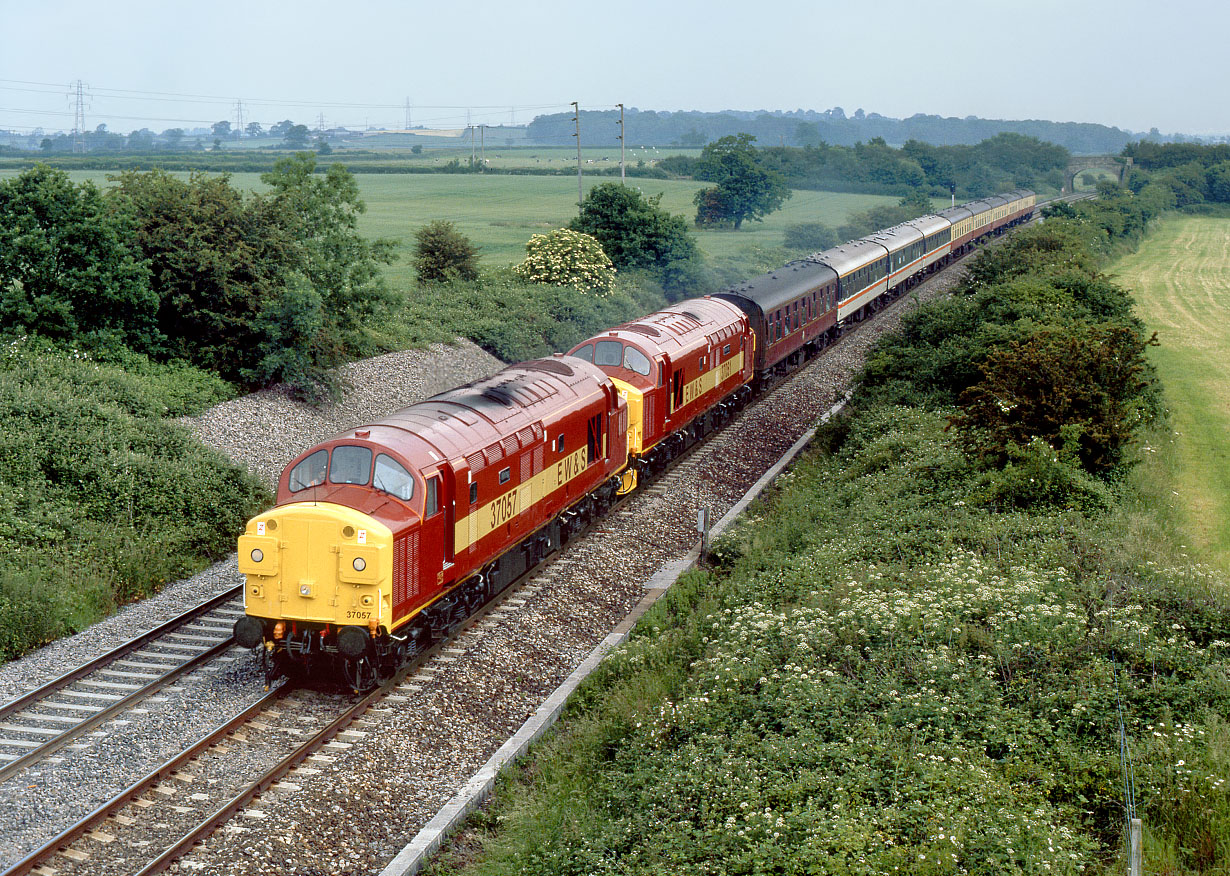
(568, 258)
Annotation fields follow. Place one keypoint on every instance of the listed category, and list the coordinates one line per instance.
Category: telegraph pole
(407, 114)
(577, 118)
(238, 118)
(482, 144)
(621, 144)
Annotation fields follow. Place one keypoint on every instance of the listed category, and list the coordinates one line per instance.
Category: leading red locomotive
(389, 534)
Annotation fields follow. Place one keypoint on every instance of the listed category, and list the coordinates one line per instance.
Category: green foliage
(1081, 389)
(260, 288)
(568, 258)
(1005, 161)
(809, 237)
(443, 253)
(217, 260)
(745, 189)
(869, 221)
(68, 269)
(635, 232)
(883, 677)
(515, 319)
(102, 498)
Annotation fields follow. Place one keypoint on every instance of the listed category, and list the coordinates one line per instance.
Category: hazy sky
(1132, 63)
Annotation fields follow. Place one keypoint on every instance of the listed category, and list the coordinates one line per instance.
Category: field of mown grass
(1181, 277)
(500, 213)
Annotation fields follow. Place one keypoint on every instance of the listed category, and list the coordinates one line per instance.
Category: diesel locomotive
(384, 538)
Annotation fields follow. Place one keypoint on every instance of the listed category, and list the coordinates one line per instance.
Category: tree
(254, 129)
(320, 212)
(296, 137)
(221, 129)
(174, 137)
(279, 130)
(745, 188)
(567, 258)
(441, 252)
(218, 260)
(1080, 388)
(67, 270)
(635, 232)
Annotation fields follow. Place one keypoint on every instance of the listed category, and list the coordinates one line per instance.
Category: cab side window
(431, 501)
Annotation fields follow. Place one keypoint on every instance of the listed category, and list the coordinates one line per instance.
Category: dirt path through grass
(1181, 277)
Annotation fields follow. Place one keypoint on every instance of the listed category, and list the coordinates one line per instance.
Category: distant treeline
(1184, 175)
(808, 128)
(1006, 161)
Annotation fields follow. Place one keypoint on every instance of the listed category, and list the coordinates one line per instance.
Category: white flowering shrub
(568, 258)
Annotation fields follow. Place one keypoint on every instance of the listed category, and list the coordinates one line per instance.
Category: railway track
(132, 834)
(36, 725)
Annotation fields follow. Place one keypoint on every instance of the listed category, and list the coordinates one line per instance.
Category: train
(384, 538)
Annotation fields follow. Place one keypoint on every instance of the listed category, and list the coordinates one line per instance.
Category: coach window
(635, 360)
(431, 503)
(608, 353)
(393, 478)
(310, 472)
(350, 465)
(586, 353)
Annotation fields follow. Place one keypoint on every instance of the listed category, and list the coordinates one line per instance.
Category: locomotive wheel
(359, 674)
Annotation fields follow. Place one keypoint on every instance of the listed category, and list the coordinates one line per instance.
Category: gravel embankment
(265, 430)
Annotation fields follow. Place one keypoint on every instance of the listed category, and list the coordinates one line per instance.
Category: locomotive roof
(675, 328)
(510, 404)
(779, 287)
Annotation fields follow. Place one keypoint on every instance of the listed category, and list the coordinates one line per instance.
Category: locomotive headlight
(359, 564)
(257, 555)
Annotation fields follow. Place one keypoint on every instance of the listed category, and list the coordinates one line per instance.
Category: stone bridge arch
(1080, 163)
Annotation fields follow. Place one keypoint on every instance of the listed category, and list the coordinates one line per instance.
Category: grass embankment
(102, 497)
(915, 655)
(1181, 275)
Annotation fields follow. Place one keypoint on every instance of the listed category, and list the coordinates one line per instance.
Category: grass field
(500, 213)
(1180, 276)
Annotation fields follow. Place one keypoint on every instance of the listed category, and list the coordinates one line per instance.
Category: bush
(634, 231)
(443, 253)
(809, 237)
(102, 498)
(568, 258)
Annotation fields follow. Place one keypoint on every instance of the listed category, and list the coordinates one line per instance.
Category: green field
(1180, 277)
(500, 213)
